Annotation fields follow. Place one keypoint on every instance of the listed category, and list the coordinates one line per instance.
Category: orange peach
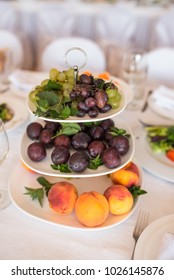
(91, 209)
(62, 197)
(119, 198)
(126, 176)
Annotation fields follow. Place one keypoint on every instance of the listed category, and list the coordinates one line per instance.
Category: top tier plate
(123, 90)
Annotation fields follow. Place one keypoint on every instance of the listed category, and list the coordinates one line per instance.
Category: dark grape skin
(108, 135)
(121, 143)
(96, 148)
(34, 130)
(106, 124)
(46, 138)
(81, 113)
(101, 98)
(60, 155)
(105, 109)
(80, 140)
(85, 79)
(111, 158)
(90, 102)
(78, 161)
(36, 151)
(53, 126)
(62, 141)
(99, 83)
(96, 132)
(82, 106)
(93, 113)
(109, 85)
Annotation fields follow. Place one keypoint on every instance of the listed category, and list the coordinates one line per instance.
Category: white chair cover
(161, 65)
(54, 55)
(8, 16)
(116, 24)
(12, 19)
(10, 41)
(164, 31)
(53, 21)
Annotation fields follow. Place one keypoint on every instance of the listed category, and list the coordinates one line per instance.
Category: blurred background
(29, 28)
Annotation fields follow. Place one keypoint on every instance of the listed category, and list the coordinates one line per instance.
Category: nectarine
(126, 176)
(91, 209)
(62, 197)
(119, 198)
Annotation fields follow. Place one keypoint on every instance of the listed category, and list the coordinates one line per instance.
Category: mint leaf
(52, 85)
(50, 96)
(35, 194)
(64, 168)
(136, 191)
(95, 163)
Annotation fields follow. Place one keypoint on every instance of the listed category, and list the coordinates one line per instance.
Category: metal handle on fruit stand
(75, 67)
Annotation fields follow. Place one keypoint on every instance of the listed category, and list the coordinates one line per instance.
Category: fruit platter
(100, 195)
(77, 150)
(77, 155)
(60, 98)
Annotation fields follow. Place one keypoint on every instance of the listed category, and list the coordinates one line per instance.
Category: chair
(54, 55)
(10, 41)
(160, 63)
(8, 17)
(12, 20)
(52, 22)
(163, 31)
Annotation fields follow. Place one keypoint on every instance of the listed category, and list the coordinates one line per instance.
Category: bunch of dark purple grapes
(91, 97)
(100, 143)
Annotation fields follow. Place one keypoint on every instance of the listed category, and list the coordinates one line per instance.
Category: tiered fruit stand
(87, 180)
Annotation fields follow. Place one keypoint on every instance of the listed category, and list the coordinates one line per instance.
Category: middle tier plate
(43, 167)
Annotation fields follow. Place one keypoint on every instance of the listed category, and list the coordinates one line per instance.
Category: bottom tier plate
(21, 178)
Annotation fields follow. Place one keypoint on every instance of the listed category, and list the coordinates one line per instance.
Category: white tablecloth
(23, 237)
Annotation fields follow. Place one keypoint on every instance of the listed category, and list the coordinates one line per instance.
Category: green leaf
(69, 129)
(64, 168)
(65, 113)
(95, 163)
(46, 185)
(35, 194)
(136, 191)
(51, 85)
(115, 131)
(50, 96)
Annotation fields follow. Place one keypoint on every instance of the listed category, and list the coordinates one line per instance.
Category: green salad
(6, 113)
(160, 138)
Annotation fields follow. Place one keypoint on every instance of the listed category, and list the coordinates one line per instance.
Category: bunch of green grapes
(114, 97)
(64, 78)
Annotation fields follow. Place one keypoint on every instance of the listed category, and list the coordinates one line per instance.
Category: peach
(91, 209)
(126, 176)
(119, 198)
(62, 197)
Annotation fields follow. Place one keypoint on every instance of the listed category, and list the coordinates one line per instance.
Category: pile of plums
(91, 96)
(77, 150)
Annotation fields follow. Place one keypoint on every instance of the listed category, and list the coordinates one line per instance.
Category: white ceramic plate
(44, 167)
(160, 110)
(101, 116)
(20, 178)
(157, 164)
(19, 109)
(148, 245)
